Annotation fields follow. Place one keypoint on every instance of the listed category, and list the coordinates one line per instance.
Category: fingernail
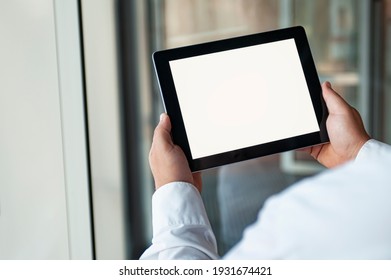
(161, 117)
(328, 84)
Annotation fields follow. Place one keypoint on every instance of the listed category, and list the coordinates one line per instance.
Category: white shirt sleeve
(343, 213)
(181, 229)
(373, 150)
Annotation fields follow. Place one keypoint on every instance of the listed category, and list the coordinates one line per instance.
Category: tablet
(241, 98)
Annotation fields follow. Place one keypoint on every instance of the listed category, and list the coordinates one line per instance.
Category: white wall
(40, 195)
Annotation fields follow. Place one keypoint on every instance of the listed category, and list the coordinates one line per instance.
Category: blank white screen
(243, 97)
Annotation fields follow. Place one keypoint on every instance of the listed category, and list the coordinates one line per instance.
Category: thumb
(165, 122)
(334, 102)
(162, 135)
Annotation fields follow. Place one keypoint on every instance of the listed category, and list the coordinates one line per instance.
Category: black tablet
(240, 98)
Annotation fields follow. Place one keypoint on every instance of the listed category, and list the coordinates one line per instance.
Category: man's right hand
(345, 128)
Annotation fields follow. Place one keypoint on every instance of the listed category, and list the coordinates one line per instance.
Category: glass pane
(331, 26)
(332, 30)
(189, 22)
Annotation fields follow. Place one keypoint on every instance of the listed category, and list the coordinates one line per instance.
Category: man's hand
(345, 128)
(167, 160)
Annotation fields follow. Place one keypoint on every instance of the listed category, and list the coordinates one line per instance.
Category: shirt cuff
(372, 149)
(176, 204)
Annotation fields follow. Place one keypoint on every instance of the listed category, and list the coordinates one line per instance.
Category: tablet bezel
(161, 61)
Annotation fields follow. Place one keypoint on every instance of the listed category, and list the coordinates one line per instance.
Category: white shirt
(342, 213)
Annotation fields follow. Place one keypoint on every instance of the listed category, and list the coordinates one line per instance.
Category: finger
(315, 151)
(164, 125)
(165, 122)
(306, 150)
(334, 102)
(162, 134)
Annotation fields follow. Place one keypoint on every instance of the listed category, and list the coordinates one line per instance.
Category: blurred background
(79, 102)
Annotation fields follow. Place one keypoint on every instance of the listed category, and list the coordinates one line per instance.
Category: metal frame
(106, 141)
(135, 85)
(74, 133)
(376, 69)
